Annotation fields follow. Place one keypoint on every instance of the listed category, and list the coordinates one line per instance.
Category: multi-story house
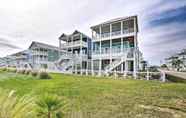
(169, 62)
(177, 61)
(182, 57)
(115, 46)
(77, 58)
(17, 60)
(21, 59)
(43, 56)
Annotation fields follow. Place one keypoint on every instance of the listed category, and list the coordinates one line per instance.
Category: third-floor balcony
(74, 44)
(125, 32)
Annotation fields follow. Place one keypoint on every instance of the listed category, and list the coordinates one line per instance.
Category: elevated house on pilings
(44, 56)
(115, 47)
(17, 60)
(77, 58)
(178, 59)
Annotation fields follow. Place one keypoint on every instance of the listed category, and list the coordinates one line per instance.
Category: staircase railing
(70, 60)
(128, 54)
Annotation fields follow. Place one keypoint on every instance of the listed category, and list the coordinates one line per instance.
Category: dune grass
(101, 97)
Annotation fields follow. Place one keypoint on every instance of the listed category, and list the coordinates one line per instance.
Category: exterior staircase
(123, 57)
(66, 62)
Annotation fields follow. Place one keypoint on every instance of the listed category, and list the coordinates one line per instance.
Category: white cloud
(44, 20)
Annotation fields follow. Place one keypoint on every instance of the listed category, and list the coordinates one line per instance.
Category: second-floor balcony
(70, 55)
(114, 52)
(37, 53)
(74, 44)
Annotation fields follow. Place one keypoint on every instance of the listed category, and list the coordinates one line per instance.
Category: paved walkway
(176, 74)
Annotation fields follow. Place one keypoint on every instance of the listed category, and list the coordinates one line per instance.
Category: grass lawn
(93, 97)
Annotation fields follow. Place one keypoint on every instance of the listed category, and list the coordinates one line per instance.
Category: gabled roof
(172, 57)
(20, 53)
(65, 37)
(43, 45)
(76, 32)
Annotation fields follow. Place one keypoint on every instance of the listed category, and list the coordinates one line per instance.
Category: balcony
(114, 34)
(114, 52)
(34, 53)
(21, 57)
(73, 56)
(74, 44)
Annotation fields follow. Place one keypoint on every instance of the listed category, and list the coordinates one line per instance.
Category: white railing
(115, 33)
(39, 53)
(70, 60)
(112, 64)
(126, 31)
(21, 57)
(105, 35)
(75, 43)
(117, 62)
(112, 51)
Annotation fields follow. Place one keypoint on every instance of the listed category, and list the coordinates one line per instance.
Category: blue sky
(162, 23)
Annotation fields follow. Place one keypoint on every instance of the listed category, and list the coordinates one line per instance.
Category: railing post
(163, 76)
(148, 74)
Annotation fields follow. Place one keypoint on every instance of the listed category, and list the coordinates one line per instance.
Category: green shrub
(4, 69)
(44, 75)
(21, 71)
(34, 73)
(156, 76)
(27, 72)
(50, 106)
(11, 70)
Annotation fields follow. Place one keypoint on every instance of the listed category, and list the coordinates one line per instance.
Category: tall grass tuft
(12, 106)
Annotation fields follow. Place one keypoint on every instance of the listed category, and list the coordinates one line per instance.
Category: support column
(92, 62)
(92, 66)
(110, 43)
(122, 54)
(74, 65)
(122, 65)
(81, 55)
(100, 64)
(135, 51)
(59, 48)
(121, 27)
(126, 68)
(87, 67)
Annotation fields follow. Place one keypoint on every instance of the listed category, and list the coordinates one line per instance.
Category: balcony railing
(126, 31)
(114, 51)
(105, 35)
(115, 33)
(75, 43)
(39, 53)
